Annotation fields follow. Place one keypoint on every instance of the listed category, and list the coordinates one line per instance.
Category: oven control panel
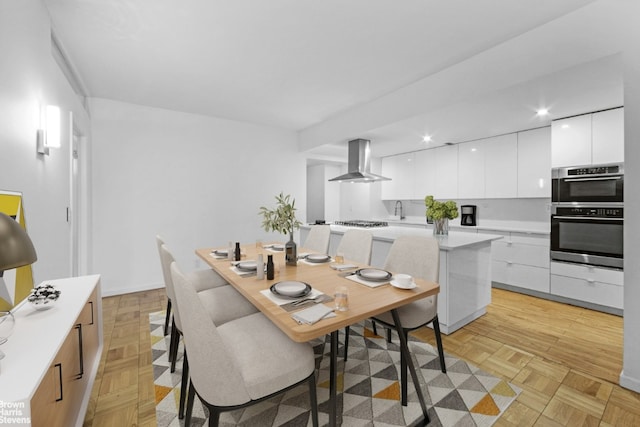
(602, 212)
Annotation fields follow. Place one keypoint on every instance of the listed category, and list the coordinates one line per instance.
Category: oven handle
(599, 218)
(603, 178)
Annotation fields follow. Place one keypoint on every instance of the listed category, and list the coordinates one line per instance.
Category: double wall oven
(587, 218)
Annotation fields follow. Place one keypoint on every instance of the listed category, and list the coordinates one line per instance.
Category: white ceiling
(302, 64)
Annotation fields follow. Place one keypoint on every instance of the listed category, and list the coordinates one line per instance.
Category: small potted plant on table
(283, 220)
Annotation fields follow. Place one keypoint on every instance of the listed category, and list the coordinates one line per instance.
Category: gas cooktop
(361, 223)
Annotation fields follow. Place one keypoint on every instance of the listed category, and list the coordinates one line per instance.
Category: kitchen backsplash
(534, 210)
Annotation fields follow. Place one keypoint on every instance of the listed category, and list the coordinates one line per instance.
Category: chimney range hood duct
(359, 164)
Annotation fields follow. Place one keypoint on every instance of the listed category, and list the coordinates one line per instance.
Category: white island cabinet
(465, 269)
(52, 357)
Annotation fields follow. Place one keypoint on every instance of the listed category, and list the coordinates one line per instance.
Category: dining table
(364, 301)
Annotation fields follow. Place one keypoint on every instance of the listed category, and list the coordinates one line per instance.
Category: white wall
(323, 197)
(630, 376)
(332, 193)
(29, 80)
(315, 193)
(197, 181)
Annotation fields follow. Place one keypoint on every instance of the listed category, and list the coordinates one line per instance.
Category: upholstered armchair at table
(242, 362)
(318, 239)
(202, 279)
(418, 256)
(223, 303)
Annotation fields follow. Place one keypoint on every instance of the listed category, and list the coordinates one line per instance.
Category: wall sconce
(49, 137)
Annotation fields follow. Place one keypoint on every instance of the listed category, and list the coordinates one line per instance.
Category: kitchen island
(465, 268)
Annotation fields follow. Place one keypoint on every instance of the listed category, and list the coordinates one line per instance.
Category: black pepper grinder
(269, 267)
(238, 254)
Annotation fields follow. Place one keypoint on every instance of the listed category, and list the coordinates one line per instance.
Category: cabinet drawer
(530, 239)
(589, 291)
(588, 273)
(463, 229)
(523, 276)
(537, 256)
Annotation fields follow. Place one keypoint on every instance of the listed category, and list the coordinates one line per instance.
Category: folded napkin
(355, 278)
(216, 256)
(313, 314)
(304, 260)
(241, 272)
(341, 267)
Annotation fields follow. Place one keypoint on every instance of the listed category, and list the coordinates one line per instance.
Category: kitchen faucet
(395, 212)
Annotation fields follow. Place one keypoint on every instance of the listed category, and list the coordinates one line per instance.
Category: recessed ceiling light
(542, 112)
(565, 126)
(427, 138)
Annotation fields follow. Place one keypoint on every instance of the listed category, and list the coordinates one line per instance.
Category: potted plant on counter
(440, 213)
(283, 220)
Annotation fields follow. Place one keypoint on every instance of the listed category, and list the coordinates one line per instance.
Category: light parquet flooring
(566, 359)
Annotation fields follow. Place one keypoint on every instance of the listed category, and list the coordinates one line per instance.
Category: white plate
(292, 289)
(247, 265)
(374, 274)
(399, 286)
(278, 247)
(221, 252)
(318, 258)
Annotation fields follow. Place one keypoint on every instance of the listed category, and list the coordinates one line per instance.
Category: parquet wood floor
(566, 359)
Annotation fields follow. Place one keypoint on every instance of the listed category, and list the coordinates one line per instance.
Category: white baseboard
(129, 290)
(630, 383)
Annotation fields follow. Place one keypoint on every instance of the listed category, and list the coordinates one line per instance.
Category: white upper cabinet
(471, 170)
(401, 171)
(501, 166)
(425, 168)
(590, 139)
(608, 136)
(446, 172)
(534, 163)
(571, 141)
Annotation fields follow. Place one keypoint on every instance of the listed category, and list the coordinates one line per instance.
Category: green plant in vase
(283, 220)
(440, 213)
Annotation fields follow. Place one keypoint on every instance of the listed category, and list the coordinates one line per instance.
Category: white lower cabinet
(601, 286)
(521, 260)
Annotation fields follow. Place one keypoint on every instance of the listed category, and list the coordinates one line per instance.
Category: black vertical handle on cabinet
(79, 328)
(59, 366)
(91, 302)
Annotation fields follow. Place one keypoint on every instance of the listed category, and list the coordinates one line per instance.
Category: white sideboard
(52, 357)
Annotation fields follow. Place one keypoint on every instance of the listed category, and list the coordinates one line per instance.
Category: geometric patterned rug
(368, 388)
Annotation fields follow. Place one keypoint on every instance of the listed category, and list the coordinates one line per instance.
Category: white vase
(441, 227)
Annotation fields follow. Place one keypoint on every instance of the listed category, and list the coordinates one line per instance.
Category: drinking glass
(339, 258)
(341, 298)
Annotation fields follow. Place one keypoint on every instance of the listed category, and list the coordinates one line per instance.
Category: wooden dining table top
(364, 302)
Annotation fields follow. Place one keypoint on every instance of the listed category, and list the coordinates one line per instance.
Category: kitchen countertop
(529, 227)
(455, 240)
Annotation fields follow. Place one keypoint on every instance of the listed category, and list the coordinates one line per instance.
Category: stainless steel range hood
(359, 164)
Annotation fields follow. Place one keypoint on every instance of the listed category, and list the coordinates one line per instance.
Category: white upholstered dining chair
(222, 303)
(239, 363)
(318, 239)
(355, 246)
(202, 279)
(418, 256)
